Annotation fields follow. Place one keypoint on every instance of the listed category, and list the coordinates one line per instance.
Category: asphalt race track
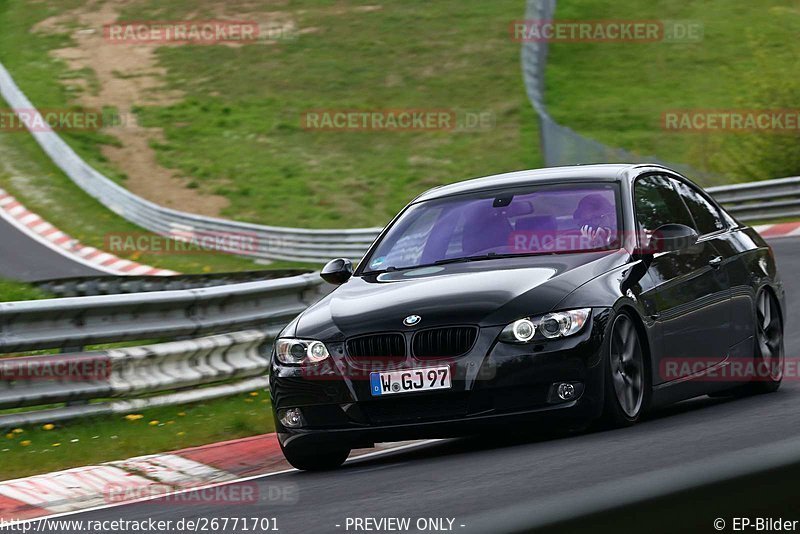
(27, 260)
(466, 479)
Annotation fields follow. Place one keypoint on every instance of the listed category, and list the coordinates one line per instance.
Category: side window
(658, 203)
(705, 214)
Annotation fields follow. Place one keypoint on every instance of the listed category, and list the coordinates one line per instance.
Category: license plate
(409, 380)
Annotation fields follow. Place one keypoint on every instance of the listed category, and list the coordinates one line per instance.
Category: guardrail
(82, 321)
(230, 363)
(271, 242)
(243, 318)
(770, 199)
(84, 286)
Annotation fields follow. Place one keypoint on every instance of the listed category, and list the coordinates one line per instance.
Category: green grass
(34, 180)
(31, 451)
(47, 81)
(621, 103)
(27, 172)
(15, 291)
(237, 131)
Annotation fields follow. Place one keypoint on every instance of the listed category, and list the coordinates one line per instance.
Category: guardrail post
(73, 349)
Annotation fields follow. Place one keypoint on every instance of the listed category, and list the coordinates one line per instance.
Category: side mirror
(337, 271)
(671, 237)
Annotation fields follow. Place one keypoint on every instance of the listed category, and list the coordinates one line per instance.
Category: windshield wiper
(489, 256)
(392, 269)
(463, 259)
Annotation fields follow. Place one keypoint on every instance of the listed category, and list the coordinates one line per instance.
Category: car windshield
(545, 219)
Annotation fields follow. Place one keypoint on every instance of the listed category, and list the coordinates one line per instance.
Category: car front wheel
(626, 383)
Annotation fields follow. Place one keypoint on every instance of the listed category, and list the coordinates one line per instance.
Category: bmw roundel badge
(412, 320)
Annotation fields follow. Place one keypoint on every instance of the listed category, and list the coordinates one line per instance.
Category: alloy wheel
(627, 366)
(769, 336)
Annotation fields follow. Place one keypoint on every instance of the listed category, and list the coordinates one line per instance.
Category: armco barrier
(273, 242)
(770, 199)
(85, 286)
(81, 321)
(243, 319)
(226, 363)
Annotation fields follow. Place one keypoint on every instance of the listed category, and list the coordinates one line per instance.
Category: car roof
(608, 172)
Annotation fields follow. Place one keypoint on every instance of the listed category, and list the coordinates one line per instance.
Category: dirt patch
(128, 75)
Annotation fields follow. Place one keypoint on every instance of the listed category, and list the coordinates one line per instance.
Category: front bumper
(494, 384)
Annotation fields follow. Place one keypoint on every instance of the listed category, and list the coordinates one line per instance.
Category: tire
(627, 380)
(768, 344)
(322, 459)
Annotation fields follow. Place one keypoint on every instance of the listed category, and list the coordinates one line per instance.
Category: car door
(688, 294)
(714, 227)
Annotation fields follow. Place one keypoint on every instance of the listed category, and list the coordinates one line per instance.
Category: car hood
(484, 293)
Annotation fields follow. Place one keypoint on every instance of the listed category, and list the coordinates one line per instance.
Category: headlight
(552, 325)
(300, 351)
(560, 324)
(520, 331)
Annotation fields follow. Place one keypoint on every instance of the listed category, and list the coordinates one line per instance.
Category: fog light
(566, 391)
(291, 418)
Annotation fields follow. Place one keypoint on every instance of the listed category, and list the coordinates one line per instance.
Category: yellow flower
(206, 269)
(181, 433)
(48, 426)
(248, 400)
(170, 422)
(153, 422)
(254, 393)
(25, 442)
(18, 431)
(133, 417)
(55, 445)
(10, 435)
(181, 414)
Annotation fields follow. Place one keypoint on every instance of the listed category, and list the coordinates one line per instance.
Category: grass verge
(621, 103)
(30, 451)
(16, 291)
(26, 173)
(237, 132)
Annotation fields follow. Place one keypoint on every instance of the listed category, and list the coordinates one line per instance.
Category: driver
(596, 218)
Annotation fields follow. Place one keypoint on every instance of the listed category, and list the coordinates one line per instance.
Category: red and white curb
(788, 229)
(162, 478)
(45, 233)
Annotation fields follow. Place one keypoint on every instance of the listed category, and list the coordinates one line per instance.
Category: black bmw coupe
(568, 294)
